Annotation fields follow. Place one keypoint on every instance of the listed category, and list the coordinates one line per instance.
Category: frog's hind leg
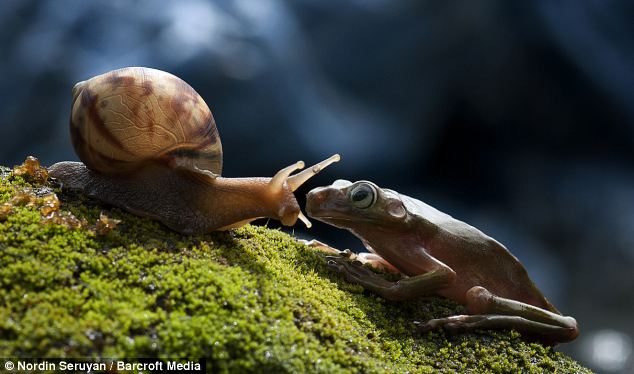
(489, 311)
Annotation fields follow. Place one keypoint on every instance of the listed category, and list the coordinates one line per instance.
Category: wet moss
(252, 299)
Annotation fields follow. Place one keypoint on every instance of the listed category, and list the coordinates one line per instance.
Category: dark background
(515, 117)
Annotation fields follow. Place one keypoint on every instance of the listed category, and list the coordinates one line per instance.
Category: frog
(435, 254)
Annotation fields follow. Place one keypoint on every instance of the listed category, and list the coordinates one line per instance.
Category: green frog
(436, 254)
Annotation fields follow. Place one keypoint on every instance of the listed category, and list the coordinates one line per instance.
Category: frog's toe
(353, 270)
(341, 266)
(455, 324)
(425, 327)
(334, 263)
(347, 253)
(323, 247)
(430, 325)
(338, 263)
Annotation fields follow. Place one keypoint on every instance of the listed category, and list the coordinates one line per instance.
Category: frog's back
(477, 259)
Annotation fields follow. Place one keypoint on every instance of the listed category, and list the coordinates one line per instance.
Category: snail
(149, 145)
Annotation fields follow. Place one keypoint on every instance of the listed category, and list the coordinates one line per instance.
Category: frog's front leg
(372, 259)
(489, 311)
(321, 246)
(403, 289)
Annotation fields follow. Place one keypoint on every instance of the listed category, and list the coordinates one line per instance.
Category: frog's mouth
(329, 219)
(346, 222)
(315, 201)
(338, 222)
(322, 206)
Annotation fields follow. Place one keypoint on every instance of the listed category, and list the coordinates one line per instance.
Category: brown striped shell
(126, 117)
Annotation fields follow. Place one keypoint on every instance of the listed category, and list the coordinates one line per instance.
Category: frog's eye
(363, 196)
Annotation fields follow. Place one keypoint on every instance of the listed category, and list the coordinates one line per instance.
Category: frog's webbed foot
(459, 323)
(375, 261)
(353, 271)
(494, 312)
(464, 323)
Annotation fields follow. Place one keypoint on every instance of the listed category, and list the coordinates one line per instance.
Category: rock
(252, 299)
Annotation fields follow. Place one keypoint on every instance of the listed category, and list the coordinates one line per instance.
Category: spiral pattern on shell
(126, 117)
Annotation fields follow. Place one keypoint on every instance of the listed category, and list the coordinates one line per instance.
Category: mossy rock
(252, 299)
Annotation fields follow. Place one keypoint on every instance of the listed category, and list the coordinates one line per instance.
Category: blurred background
(517, 117)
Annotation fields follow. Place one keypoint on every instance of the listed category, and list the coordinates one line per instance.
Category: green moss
(247, 300)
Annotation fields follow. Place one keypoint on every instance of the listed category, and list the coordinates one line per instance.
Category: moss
(252, 299)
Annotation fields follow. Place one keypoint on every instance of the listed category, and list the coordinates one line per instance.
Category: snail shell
(125, 118)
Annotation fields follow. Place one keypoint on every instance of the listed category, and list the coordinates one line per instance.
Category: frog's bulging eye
(363, 196)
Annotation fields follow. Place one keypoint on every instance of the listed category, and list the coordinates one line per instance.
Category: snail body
(149, 144)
